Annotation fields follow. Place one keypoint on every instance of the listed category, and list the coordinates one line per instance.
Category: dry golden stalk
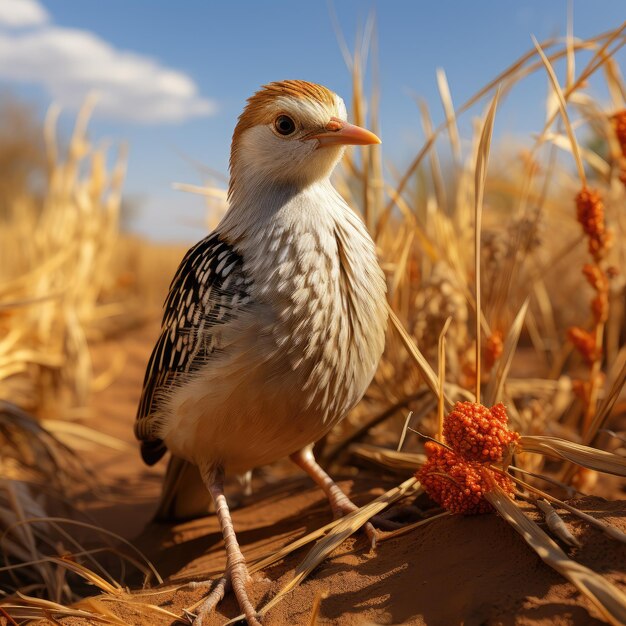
(608, 530)
(619, 126)
(29, 608)
(584, 456)
(480, 176)
(317, 603)
(608, 599)
(390, 459)
(515, 72)
(556, 524)
(442, 377)
(495, 388)
(426, 370)
(561, 100)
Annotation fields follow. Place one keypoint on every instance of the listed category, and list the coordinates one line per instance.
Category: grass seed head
(585, 343)
(599, 281)
(459, 485)
(600, 244)
(590, 211)
(600, 308)
(439, 296)
(596, 277)
(619, 124)
(590, 215)
(477, 433)
(494, 347)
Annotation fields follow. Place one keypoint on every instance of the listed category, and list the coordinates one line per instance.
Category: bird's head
(292, 133)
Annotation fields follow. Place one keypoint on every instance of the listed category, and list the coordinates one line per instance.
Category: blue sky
(175, 75)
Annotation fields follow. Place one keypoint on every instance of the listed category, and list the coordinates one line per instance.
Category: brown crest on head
(253, 114)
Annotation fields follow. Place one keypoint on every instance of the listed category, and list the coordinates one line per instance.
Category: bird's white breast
(306, 351)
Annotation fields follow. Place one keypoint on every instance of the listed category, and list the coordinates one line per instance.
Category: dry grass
(488, 247)
(60, 291)
(56, 288)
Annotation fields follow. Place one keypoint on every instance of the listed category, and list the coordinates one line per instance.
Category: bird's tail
(184, 495)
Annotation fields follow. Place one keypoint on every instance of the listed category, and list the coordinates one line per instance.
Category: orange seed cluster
(585, 343)
(619, 124)
(459, 485)
(478, 433)
(458, 478)
(596, 277)
(590, 214)
(493, 348)
(600, 283)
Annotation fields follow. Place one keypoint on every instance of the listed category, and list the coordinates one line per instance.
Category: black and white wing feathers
(207, 291)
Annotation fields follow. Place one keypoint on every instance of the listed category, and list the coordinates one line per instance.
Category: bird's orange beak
(338, 132)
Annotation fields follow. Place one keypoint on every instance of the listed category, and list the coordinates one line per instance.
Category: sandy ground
(452, 571)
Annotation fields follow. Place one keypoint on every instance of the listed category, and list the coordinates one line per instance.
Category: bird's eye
(284, 125)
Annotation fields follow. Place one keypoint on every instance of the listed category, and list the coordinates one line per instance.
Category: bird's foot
(340, 503)
(236, 574)
(217, 593)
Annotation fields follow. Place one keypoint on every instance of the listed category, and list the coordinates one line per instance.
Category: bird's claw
(200, 584)
(218, 590)
(372, 534)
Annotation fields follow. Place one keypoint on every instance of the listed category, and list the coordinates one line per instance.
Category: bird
(274, 323)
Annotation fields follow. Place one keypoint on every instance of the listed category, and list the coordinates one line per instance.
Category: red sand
(455, 570)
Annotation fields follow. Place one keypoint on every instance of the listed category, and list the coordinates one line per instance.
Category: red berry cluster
(585, 342)
(478, 433)
(456, 484)
(590, 214)
(599, 281)
(457, 479)
(493, 349)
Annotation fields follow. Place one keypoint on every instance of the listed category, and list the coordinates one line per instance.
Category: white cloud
(71, 63)
(16, 13)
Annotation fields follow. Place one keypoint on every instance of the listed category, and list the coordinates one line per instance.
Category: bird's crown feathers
(258, 104)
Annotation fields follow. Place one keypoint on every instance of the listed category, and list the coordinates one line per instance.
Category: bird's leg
(236, 570)
(339, 502)
(211, 601)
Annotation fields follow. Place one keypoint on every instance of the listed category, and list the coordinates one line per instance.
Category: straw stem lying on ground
(608, 599)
